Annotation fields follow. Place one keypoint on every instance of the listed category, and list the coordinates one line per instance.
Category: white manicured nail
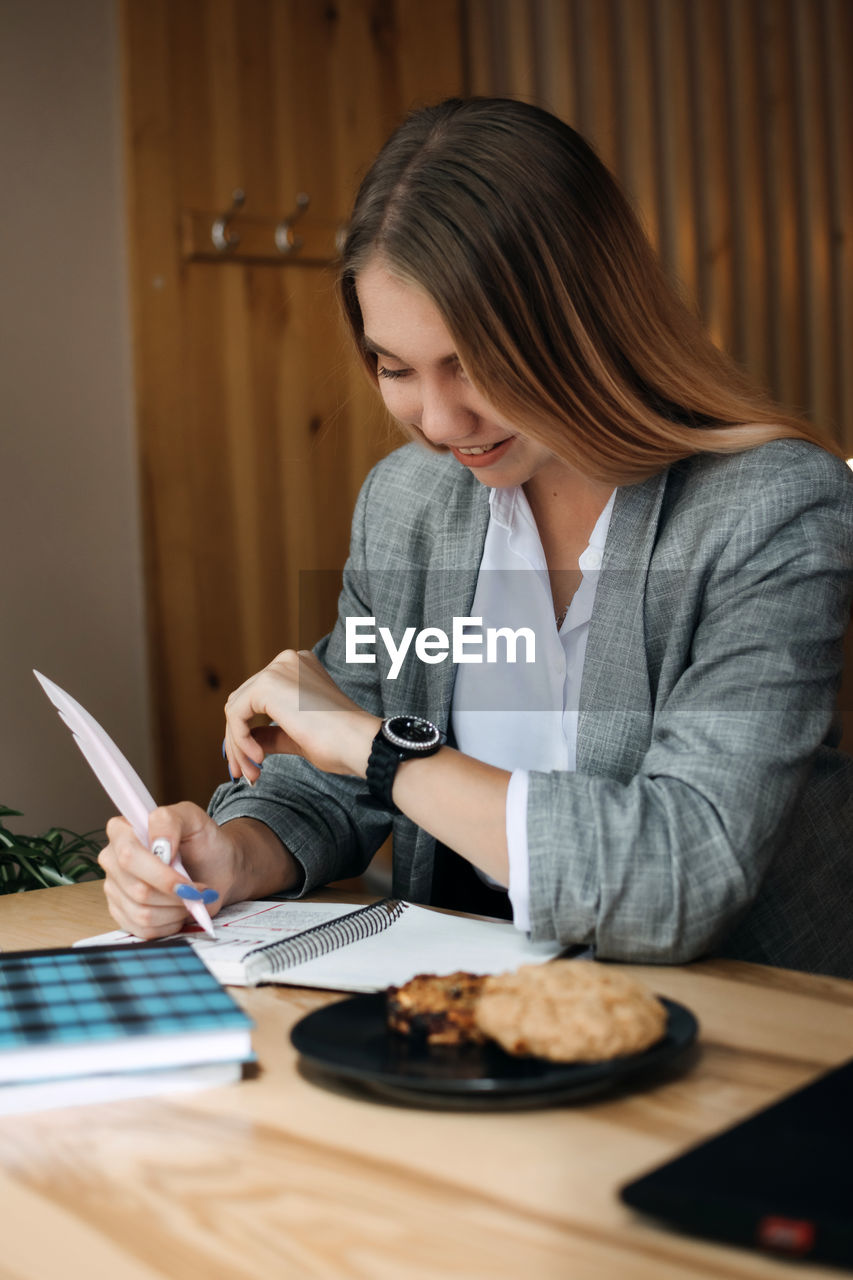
(162, 849)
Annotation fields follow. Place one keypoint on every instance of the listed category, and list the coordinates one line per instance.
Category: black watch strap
(386, 756)
(381, 772)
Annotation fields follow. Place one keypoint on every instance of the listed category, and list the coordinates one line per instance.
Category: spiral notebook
(339, 947)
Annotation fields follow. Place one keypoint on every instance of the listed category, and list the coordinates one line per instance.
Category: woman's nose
(444, 417)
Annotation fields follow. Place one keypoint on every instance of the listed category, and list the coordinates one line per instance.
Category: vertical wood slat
(157, 339)
(728, 122)
(479, 55)
(814, 222)
(594, 66)
(518, 20)
(838, 55)
(557, 82)
(782, 209)
(676, 180)
(215, 371)
(711, 133)
(638, 147)
(748, 192)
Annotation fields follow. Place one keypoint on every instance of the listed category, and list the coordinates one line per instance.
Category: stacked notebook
(94, 1023)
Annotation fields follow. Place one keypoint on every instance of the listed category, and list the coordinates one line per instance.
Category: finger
(126, 860)
(268, 740)
(140, 888)
(235, 777)
(244, 755)
(135, 862)
(145, 910)
(165, 831)
(270, 693)
(135, 906)
(162, 849)
(175, 830)
(143, 919)
(247, 748)
(241, 765)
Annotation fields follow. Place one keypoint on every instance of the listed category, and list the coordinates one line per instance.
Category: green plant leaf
(53, 877)
(29, 868)
(58, 856)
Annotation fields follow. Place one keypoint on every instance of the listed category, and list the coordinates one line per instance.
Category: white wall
(71, 588)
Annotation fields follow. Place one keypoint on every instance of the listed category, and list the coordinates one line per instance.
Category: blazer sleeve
(661, 866)
(316, 815)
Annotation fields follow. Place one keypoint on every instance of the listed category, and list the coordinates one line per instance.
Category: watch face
(411, 732)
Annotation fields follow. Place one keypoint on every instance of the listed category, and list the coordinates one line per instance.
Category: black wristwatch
(400, 738)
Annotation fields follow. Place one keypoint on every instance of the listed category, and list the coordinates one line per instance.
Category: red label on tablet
(786, 1235)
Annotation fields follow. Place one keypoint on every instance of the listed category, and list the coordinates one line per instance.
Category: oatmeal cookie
(439, 1007)
(569, 1011)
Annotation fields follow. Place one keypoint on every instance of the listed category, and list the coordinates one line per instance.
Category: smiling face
(424, 385)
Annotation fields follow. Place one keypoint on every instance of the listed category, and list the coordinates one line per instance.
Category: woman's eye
(383, 372)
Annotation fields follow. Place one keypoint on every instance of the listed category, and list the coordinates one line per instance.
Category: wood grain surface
(277, 1176)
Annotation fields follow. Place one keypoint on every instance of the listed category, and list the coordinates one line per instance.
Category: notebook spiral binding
(275, 957)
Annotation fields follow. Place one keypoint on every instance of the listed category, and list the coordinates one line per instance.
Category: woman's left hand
(313, 718)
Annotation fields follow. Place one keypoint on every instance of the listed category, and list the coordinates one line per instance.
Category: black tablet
(781, 1180)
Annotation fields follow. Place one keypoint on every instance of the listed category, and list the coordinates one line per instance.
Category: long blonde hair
(557, 305)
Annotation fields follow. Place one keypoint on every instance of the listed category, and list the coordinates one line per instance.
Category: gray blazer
(711, 811)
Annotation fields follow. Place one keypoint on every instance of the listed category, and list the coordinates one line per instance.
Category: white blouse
(514, 712)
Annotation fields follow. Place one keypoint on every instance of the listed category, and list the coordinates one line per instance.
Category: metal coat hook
(222, 236)
(285, 240)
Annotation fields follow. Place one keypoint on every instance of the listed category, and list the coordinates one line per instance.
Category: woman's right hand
(140, 888)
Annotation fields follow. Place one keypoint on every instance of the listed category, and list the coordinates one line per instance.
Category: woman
(688, 796)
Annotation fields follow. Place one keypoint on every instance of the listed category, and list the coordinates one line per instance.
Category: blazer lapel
(448, 593)
(452, 579)
(615, 712)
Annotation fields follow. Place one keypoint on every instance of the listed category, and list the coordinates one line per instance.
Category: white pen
(125, 788)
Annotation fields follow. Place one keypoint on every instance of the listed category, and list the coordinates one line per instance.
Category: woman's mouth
(481, 455)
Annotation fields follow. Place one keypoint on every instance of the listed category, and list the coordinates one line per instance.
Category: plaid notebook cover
(55, 1003)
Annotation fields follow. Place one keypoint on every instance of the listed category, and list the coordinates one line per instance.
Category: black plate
(351, 1040)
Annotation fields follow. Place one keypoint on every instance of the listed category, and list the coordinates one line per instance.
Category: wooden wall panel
(729, 124)
(256, 426)
(710, 133)
(838, 61)
(638, 162)
(750, 258)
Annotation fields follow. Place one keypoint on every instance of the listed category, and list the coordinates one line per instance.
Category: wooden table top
(276, 1177)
